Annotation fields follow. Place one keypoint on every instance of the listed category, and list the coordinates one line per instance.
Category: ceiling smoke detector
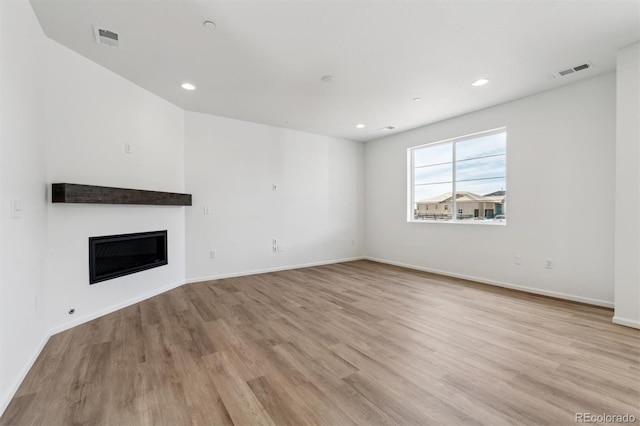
(574, 69)
(209, 25)
(106, 37)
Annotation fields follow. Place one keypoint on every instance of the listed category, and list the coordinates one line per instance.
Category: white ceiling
(264, 61)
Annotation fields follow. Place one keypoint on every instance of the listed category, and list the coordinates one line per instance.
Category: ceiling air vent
(574, 69)
(106, 37)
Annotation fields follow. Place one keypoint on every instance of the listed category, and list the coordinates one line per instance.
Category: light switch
(16, 209)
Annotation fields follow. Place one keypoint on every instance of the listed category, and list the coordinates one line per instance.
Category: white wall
(561, 154)
(90, 114)
(627, 236)
(315, 213)
(23, 328)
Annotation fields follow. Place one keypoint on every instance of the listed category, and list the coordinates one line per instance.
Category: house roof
(464, 197)
(437, 199)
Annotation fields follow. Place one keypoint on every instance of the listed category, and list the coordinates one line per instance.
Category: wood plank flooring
(357, 343)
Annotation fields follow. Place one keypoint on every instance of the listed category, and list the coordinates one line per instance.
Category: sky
(433, 166)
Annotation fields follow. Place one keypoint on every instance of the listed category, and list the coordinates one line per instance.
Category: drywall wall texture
(627, 213)
(23, 328)
(91, 115)
(314, 212)
(560, 169)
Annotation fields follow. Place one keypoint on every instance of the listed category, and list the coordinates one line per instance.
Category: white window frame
(410, 178)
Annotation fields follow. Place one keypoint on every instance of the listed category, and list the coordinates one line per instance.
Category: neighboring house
(468, 204)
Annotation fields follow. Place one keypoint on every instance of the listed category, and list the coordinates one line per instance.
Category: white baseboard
(86, 318)
(6, 399)
(275, 269)
(558, 295)
(93, 315)
(626, 322)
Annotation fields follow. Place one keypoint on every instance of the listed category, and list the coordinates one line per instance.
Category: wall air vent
(106, 37)
(581, 67)
(574, 69)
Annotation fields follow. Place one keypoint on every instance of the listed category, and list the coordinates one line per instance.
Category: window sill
(463, 222)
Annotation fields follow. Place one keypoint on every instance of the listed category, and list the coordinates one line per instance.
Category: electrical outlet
(517, 260)
(274, 187)
(212, 254)
(548, 264)
(16, 209)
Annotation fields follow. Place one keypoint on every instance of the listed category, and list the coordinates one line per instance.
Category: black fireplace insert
(113, 256)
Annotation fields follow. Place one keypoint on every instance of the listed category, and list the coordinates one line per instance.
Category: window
(468, 173)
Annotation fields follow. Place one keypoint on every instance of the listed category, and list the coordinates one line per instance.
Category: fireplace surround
(113, 256)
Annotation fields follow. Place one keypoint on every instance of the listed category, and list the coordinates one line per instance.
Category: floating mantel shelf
(74, 193)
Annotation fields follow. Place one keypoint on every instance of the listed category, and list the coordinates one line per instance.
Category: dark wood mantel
(74, 193)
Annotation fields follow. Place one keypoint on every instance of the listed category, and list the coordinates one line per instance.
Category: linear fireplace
(113, 256)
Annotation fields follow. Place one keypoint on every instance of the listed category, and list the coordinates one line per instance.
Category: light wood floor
(353, 343)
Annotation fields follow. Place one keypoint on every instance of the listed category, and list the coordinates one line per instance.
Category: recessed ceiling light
(328, 78)
(209, 25)
(389, 127)
(417, 99)
(480, 82)
(360, 126)
(188, 86)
